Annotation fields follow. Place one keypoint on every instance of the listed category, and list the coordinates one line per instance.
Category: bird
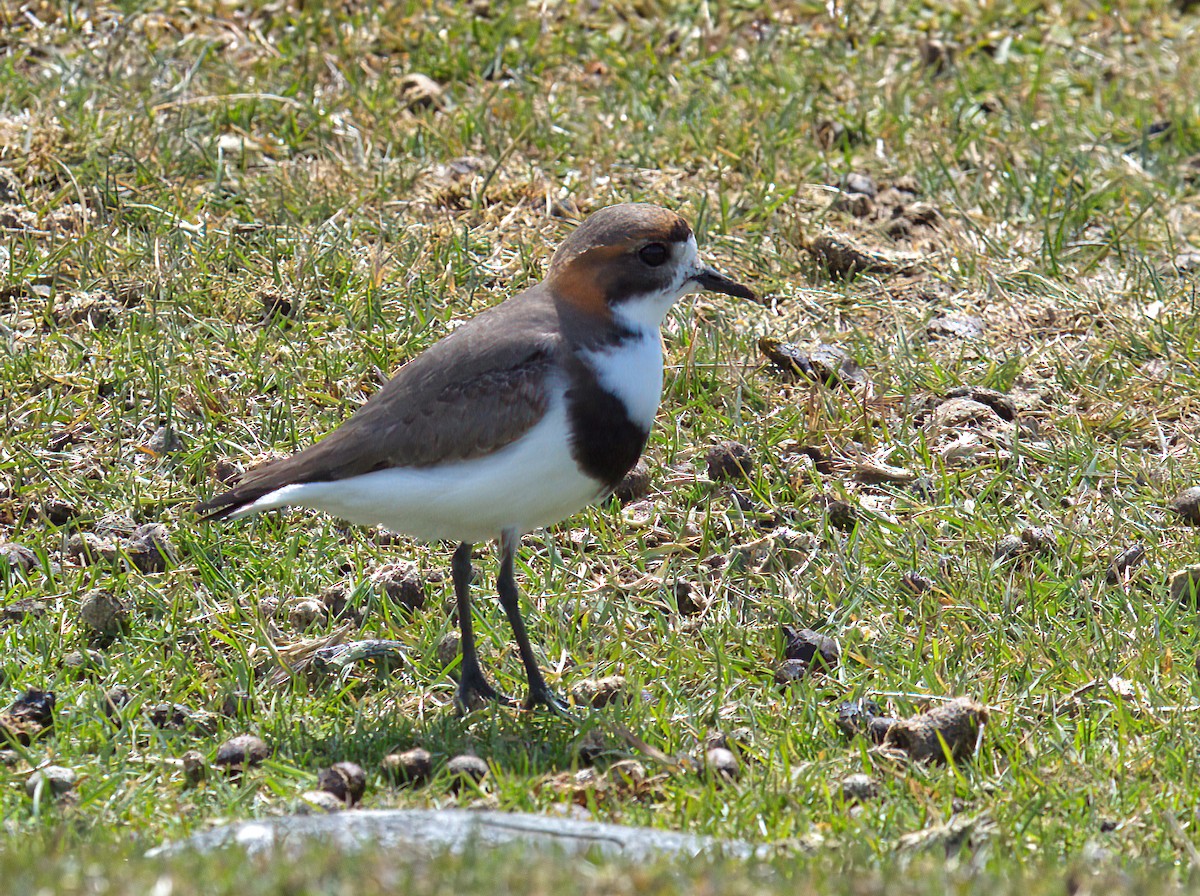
(520, 417)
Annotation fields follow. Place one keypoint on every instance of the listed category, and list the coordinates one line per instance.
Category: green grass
(170, 170)
(372, 872)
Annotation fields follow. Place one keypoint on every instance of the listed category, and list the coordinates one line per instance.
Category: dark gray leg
(473, 688)
(506, 584)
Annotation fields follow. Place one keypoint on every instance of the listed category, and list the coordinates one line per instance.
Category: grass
(172, 173)
(372, 873)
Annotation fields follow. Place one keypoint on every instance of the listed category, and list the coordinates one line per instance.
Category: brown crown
(596, 266)
(622, 226)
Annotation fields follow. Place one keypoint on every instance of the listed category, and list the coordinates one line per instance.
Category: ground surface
(219, 233)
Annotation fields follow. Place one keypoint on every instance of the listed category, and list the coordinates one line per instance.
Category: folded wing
(475, 391)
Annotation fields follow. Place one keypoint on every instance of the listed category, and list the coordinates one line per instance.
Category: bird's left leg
(473, 687)
(506, 585)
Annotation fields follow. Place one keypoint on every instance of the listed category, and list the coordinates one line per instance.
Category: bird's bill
(714, 281)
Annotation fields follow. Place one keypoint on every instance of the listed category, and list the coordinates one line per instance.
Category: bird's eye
(653, 254)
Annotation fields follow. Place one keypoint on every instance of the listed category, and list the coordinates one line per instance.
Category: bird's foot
(475, 692)
(551, 701)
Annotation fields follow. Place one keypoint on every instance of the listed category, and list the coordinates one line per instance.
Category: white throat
(632, 370)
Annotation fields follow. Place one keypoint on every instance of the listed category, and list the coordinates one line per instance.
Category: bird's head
(632, 262)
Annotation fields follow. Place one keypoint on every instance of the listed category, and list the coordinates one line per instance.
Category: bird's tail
(254, 485)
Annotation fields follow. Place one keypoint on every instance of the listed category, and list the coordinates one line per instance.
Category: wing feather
(475, 391)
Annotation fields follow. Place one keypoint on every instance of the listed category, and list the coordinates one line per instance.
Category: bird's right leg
(473, 688)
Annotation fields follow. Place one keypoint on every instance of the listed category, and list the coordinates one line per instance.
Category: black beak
(717, 282)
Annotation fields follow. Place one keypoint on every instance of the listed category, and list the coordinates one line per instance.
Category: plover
(522, 416)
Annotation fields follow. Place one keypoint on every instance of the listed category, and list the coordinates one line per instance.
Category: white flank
(530, 483)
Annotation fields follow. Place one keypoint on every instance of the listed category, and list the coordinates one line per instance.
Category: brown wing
(475, 391)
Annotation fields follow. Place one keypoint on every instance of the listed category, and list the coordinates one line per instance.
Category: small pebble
(859, 182)
(859, 788)
(104, 613)
(345, 780)
(149, 548)
(790, 671)
(402, 583)
(854, 716)
(635, 485)
(241, 752)
(305, 613)
(819, 651)
(17, 557)
(1184, 586)
(464, 768)
(599, 692)
(914, 583)
(729, 460)
(318, 802)
(55, 779)
(721, 764)
(195, 769)
(413, 766)
(1187, 505)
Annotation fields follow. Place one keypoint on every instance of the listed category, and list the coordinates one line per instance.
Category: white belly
(530, 483)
